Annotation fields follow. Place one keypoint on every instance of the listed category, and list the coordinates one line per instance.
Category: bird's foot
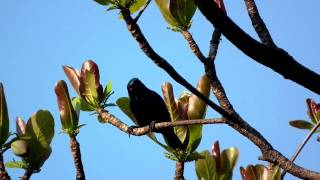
(152, 126)
(130, 129)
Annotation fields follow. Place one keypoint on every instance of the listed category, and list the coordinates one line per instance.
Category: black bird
(148, 107)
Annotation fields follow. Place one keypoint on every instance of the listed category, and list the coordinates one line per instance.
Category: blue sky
(38, 37)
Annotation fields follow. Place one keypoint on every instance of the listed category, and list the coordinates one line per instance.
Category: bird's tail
(171, 138)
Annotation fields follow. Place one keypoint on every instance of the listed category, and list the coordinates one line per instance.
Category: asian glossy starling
(147, 106)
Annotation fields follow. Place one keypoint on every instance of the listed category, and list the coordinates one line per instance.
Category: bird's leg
(130, 129)
(152, 126)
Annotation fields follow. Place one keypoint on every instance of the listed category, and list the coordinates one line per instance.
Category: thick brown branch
(258, 23)
(139, 131)
(274, 58)
(3, 173)
(76, 154)
(234, 120)
(179, 171)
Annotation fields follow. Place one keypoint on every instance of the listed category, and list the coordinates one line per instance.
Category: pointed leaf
(168, 95)
(182, 11)
(124, 104)
(206, 167)
(228, 160)
(197, 108)
(90, 87)
(73, 76)
(68, 116)
(163, 5)
(20, 126)
(16, 164)
(107, 90)
(215, 151)
(153, 137)
(4, 117)
(137, 5)
(40, 127)
(103, 2)
(301, 124)
(248, 173)
(195, 135)
(84, 106)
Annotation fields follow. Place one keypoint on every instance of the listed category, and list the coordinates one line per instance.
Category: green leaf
(68, 116)
(19, 147)
(301, 124)
(137, 5)
(206, 167)
(168, 95)
(153, 137)
(17, 164)
(195, 135)
(228, 161)
(182, 11)
(124, 104)
(73, 76)
(4, 117)
(197, 108)
(163, 5)
(103, 2)
(84, 106)
(107, 90)
(40, 127)
(260, 172)
(90, 87)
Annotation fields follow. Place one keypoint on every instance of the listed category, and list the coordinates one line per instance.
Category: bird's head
(135, 86)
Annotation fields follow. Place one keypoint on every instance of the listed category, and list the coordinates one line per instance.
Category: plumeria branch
(139, 131)
(275, 58)
(235, 121)
(76, 154)
(258, 23)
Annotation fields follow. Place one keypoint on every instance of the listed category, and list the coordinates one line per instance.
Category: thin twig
(179, 171)
(193, 45)
(139, 131)
(304, 142)
(141, 11)
(3, 173)
(258, 23)
(235, 121)
(275, 58)
(214, 44)
(76, 154)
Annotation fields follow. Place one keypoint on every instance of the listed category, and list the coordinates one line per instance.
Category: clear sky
(38, 37)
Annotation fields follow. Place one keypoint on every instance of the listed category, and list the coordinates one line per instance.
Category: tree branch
(3, 173)
(76, 154)
(258, 24)
(27, 174)
(139, 131)
(234, 120)
(179, 171)
(275, 58)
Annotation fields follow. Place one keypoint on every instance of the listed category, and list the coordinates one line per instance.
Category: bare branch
(139, 131)
(234, 120)
(179, 171)
(76, 154)
(193, 45)
(275, 58)
(258, 24)
(304, 142)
